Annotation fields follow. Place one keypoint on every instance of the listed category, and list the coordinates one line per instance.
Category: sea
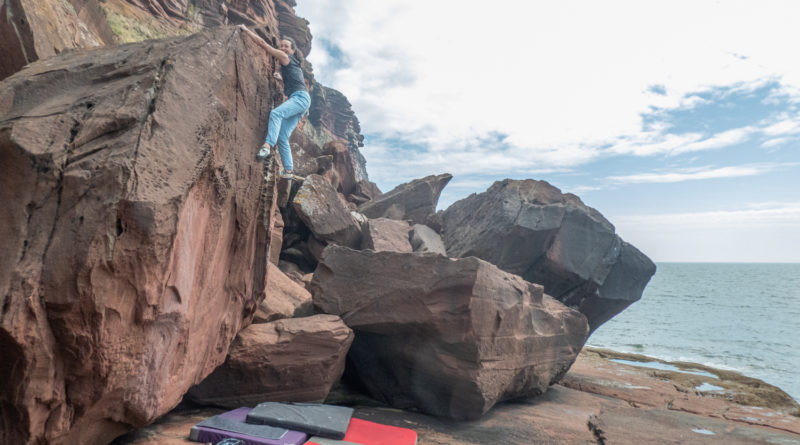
(733, 316)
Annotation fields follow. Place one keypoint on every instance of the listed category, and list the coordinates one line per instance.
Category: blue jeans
(282, 120)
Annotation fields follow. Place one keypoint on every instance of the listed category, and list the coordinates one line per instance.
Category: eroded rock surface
(134, 233)
(291, 360)
(448, 337)
(531, 229)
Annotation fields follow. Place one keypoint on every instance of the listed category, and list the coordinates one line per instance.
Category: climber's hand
(277, 75)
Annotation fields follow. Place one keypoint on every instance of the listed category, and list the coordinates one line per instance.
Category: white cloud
(696, 173)
(764, 214)
(559, 79)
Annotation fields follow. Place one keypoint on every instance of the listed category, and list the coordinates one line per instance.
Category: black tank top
(293, 79)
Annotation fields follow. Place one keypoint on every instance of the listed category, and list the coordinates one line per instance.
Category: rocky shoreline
(605, 398)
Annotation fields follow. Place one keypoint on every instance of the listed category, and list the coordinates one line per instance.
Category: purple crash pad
(232, 425)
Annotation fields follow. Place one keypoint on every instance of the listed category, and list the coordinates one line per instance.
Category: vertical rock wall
(131, 230)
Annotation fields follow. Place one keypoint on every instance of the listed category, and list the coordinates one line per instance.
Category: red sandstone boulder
(324, 213)
(134, 232)
(531, 229)
(284, 298)
(448, 337)
(386, 234)
(414, 201)
(291, 360)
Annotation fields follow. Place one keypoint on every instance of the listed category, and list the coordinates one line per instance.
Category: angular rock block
(386, 234)
(284, 298)
(531, 229)
(425, 239)
(450, 337)
(325, 214)
(291, 360)
(414, 201)
(133, 232)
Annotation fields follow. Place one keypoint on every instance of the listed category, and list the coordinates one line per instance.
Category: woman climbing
(283, 118)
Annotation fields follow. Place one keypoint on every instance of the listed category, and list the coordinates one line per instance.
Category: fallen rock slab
(383, 234)
(414, 201)
(448, 337)
(321, 209)
(133, 232)
(284, 298)
(531, 229)
(290, 360)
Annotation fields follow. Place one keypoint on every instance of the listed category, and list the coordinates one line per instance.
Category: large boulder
(134, 233)
(448, 337)
(414, 201)
(291, 360)
(531, 229)
(324, 213)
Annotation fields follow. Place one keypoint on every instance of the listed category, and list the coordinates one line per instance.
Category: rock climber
(284, 118)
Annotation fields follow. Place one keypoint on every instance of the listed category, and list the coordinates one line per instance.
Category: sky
(678, 120)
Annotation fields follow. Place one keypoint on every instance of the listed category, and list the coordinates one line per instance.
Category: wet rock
(386, 234)
(322, 210)
(448, 337)
(531, 229)
(284, 298)
(414, 201)
(425, 239)
(135, 243)
(291, 360)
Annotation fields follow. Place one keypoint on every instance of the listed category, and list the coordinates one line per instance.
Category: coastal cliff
(150, 260)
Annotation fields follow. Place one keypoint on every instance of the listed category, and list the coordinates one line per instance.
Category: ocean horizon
(743, 317)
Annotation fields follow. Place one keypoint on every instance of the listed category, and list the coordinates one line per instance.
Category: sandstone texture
(284, 298)
(531, 229)
(292, 360)
(37, 29)
(318, 205)
(414, 201)
(448, 337)
(384, 234)
(130, 238)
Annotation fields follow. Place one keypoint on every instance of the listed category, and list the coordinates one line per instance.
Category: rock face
(284, 298)
(531, 229)
(449, 337)
(318, 205)
(134, 242)
(414, 201)
(386, 234)
(32, 30)
(292, 360)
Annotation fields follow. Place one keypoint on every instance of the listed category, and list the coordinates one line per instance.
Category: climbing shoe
(291, 175)
(264, 153)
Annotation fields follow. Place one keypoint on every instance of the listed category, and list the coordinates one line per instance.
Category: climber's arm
(278, 54)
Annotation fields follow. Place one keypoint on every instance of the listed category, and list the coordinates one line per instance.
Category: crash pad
(232, 424)
(317, 419)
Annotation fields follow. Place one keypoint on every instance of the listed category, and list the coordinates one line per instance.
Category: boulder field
(149, 259)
